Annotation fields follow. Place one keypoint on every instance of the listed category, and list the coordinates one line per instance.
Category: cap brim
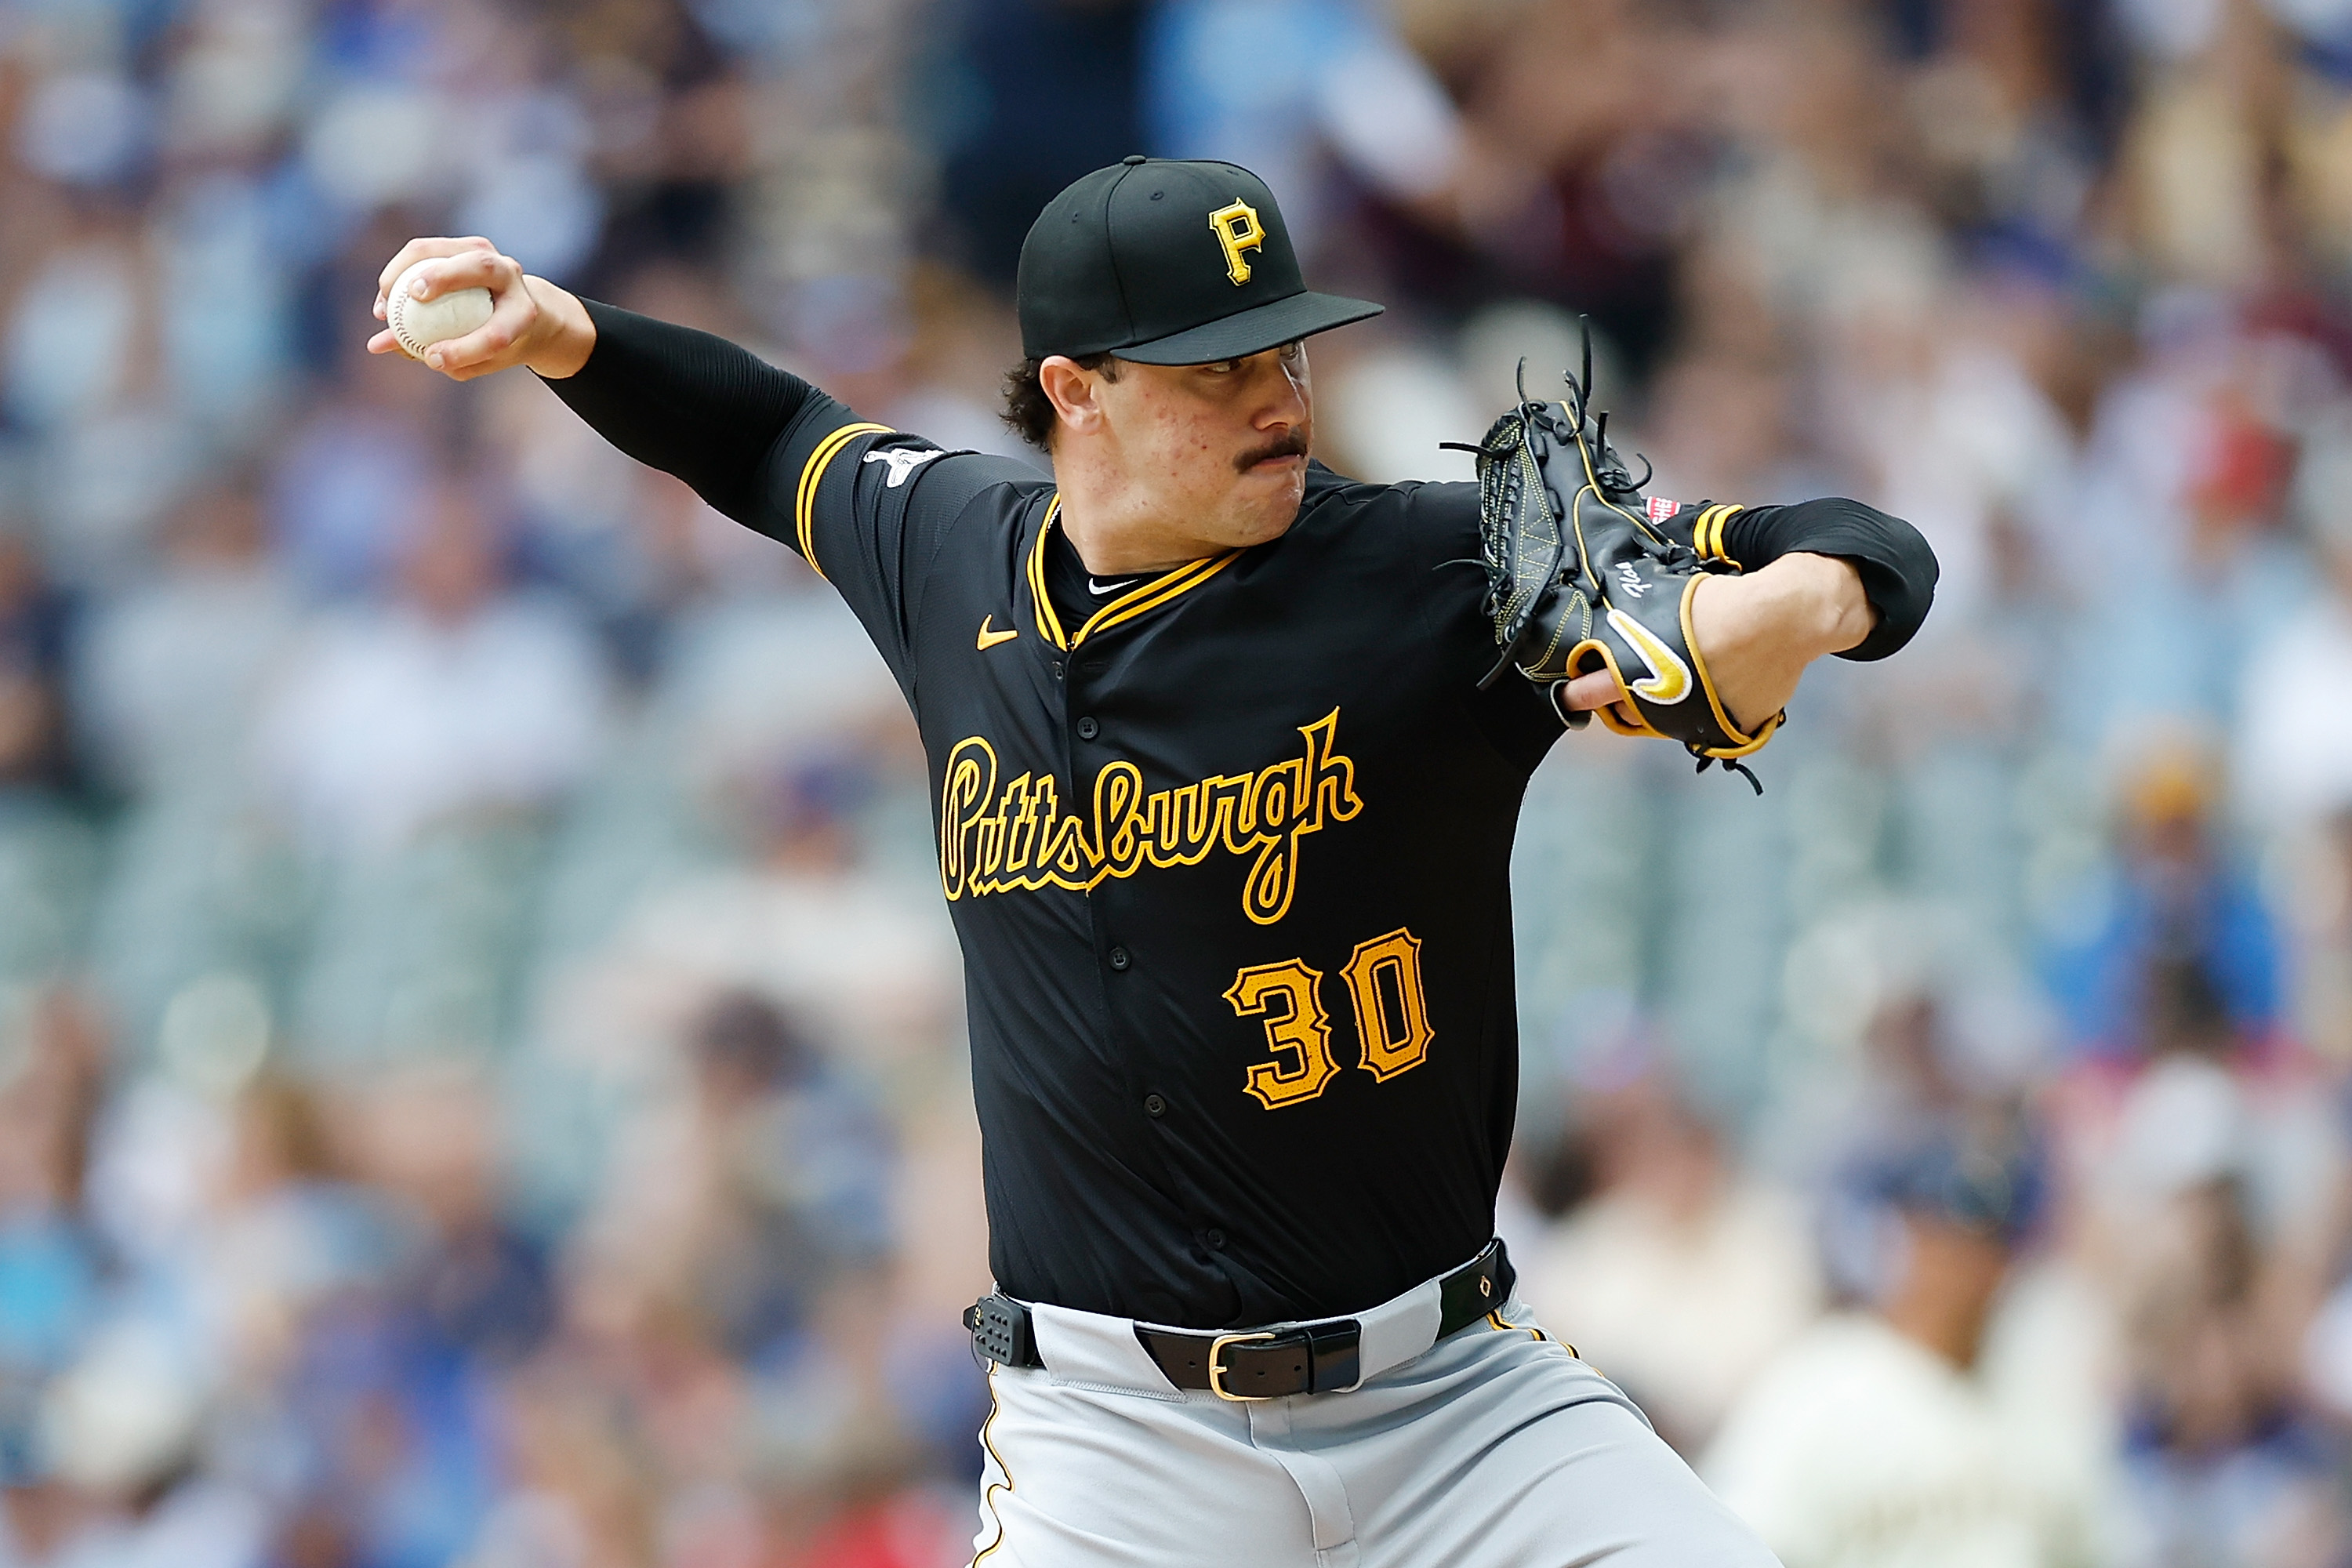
(1253, 330)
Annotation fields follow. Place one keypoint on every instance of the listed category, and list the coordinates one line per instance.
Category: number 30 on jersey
(1383, 986)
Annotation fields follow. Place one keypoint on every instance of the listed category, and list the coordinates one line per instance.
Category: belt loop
(1334, 1356)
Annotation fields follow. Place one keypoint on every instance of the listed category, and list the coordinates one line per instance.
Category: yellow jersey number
(1392, 1032)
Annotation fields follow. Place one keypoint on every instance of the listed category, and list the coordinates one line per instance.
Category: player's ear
(1074, 392)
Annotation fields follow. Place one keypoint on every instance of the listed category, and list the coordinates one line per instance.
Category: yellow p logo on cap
(1237, 229)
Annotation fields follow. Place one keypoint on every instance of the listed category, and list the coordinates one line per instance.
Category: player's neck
(1115, 541)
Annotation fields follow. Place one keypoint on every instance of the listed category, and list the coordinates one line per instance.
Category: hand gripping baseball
(532, 322)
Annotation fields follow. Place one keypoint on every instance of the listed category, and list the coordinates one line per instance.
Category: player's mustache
(1293, 444)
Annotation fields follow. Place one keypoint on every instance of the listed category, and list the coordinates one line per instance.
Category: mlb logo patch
(1661, 508)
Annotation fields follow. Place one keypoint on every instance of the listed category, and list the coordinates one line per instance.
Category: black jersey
(1228, 856)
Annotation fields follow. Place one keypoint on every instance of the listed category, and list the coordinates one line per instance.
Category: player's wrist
(563, 333)
(1826, 608)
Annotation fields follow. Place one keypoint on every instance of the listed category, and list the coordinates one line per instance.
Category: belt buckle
(1217, 1372)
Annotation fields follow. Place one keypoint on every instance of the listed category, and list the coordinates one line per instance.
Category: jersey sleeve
(1898, 566)
(868, 507)
(871, 508)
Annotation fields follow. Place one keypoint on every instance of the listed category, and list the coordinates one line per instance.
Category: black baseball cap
(1168, 261)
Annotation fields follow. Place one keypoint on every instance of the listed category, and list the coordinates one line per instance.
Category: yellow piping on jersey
(812, 474)
(1154, 594)
(995, 1408)
(1047, 621)
(1169, 584)
(1494, 1320)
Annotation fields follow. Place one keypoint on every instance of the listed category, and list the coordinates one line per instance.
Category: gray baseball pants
(1495, 1447)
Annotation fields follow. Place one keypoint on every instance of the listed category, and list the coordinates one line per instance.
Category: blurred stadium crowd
(480, 1080)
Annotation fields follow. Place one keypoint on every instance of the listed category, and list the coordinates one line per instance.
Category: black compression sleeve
(1898, 569)
(685, 402)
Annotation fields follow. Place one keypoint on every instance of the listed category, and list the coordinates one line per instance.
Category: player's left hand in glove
(1582, 577)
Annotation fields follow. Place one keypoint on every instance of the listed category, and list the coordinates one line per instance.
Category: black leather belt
(1265, 1363)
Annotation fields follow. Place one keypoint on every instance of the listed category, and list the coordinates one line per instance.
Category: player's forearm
(1793, 611)
(685, 402)
(1892, 564)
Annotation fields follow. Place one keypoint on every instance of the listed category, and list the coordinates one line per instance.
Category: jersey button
(1154, 1107)
(1215, 1238)
(1120, 960)
(1089, 729)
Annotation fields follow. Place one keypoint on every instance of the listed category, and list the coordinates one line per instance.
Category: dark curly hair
(1028, 411)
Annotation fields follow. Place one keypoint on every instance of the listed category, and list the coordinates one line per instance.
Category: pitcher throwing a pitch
(1226, 752)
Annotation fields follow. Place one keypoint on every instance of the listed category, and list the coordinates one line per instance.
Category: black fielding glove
(1580, 578)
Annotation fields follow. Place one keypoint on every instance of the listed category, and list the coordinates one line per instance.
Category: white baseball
(417, 324)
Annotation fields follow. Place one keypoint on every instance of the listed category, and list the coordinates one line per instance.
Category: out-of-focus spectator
(351, 477)
(775, 719)
(1869, 1440)
(809, 922)
(73, 337)
(170, 673)
(1677, 1276)
(290, 1230)
(2205, 1109)
(456, 696)
(2221, 1466)
(49, 1260)
(34, 624)
(394, 1387)
(2178, 892)
(2294, 731)
(2317, 880)
(755, 1195)
(731, 1292)
(1037, 92)
(2169, 544)
(1333, 87)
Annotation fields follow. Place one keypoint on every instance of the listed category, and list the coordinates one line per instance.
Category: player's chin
(1267, 514)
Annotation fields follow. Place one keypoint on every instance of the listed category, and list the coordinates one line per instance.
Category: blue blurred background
(481, 1079)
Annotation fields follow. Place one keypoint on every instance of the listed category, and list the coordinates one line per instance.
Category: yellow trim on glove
(1743, 744)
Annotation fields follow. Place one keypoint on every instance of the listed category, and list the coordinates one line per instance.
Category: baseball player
(1224, 817)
